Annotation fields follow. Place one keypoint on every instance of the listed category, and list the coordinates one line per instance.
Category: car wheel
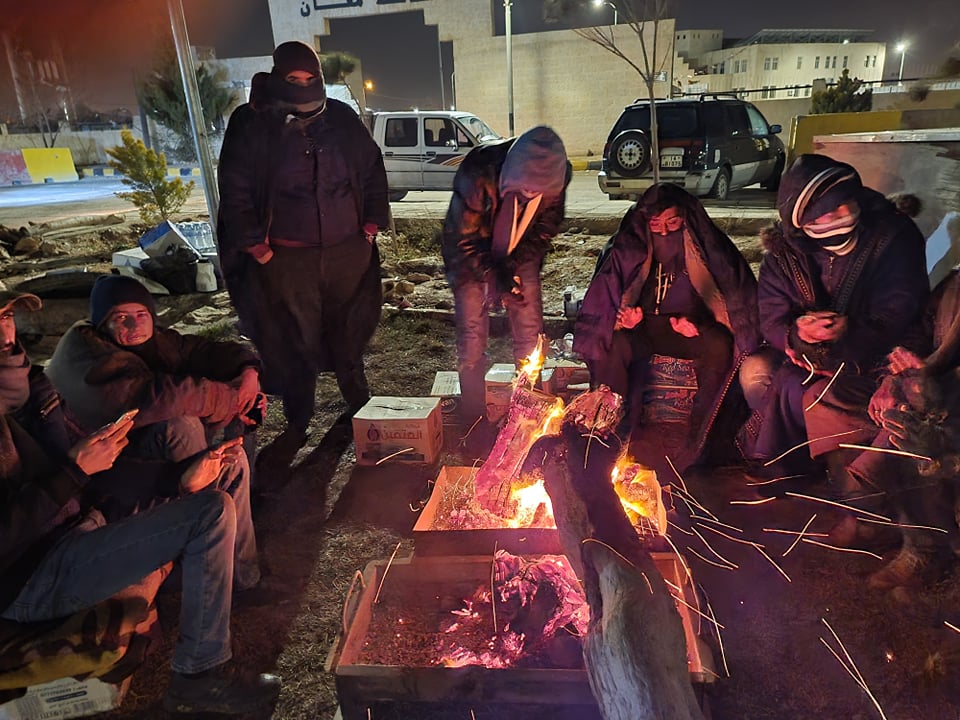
(772, 183)
(721, 186)
(395, 195)
(630, 153)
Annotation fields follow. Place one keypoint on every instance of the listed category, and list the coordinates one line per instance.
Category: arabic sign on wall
(308, 6)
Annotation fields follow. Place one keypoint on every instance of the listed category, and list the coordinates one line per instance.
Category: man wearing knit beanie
(507, 205)
(188, 392)
(303, 193)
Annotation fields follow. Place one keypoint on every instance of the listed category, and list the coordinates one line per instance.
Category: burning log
(635, 650)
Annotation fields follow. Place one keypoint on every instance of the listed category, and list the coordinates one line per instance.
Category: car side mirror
(775, 129)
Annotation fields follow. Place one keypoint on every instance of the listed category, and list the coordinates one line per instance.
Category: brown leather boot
(908, 569)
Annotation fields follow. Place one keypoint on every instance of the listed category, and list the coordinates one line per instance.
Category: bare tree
(653, 61)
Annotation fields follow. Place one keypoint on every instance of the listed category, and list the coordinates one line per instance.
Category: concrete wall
(87, 147)
(560, 79)
(923, 162)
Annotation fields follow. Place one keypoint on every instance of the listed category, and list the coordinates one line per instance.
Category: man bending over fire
(669, 282)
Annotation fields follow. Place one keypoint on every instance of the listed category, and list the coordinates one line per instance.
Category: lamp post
(599, 3)
(507, 30)
(902, 49)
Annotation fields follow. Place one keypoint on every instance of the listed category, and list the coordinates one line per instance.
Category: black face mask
(308, 115)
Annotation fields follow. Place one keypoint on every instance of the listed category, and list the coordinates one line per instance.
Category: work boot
(908, 569)
(223, 689)
(852, 533)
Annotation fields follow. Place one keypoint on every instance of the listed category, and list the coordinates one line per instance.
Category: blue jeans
(472, 302)
(95, 561)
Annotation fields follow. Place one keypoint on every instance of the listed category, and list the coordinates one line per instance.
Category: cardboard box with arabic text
(65, 698)
(398, 430)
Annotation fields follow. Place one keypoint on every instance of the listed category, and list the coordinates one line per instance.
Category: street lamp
(599, 3)
(508, 32)
(902, 49)
(368, 85)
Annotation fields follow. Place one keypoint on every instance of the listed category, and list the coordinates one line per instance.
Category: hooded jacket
(883, 292)
(468, 228)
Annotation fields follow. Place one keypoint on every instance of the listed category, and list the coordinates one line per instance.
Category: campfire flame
(639, 492)
(532, 365)
(533, 504)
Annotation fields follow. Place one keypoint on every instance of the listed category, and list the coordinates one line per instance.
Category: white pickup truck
(422, 149)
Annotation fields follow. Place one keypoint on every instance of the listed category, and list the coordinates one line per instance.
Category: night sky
(108, 43)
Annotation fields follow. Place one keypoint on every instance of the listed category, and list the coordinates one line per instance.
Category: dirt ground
(780, 616)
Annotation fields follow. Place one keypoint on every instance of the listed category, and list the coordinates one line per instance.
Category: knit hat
(290, 57)
(12, 298)
(828, 184)
(112, 290)
(535, 163)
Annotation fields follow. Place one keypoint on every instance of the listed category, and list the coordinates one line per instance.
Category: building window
(766, 63)
(743, 66)
(774, 63)
(866, 61)
(845, 59)
(806, 92)
(799, 62)
(873, 61)
(816, 63)
(834, 62)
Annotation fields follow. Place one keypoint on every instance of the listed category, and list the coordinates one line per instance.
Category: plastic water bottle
(199, 235)
(206, 277)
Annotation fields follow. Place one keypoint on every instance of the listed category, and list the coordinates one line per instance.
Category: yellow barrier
(49, 164)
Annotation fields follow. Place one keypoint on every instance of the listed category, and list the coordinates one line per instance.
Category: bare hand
(99, 451)
(208, 468)
(882, 400)
(628, 318)
(901, 360)
(683, 326)
(821, 326)
(247, 393)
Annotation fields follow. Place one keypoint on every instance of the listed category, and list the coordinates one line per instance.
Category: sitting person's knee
(756, 376)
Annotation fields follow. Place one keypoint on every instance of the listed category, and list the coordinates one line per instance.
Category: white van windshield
(478, 128)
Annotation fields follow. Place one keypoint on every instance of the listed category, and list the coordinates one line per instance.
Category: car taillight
(698, 152)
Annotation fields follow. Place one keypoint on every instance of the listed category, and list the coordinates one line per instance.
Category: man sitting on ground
(58, 555)
(185, 388)
(669, 282)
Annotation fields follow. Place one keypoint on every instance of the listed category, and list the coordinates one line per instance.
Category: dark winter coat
(883, 294)
(468, 227)
(718, 272)
(351, 190)
(171, 375)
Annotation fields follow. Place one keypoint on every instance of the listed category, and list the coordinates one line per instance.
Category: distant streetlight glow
(601, 3)
(902, 49)
(368, 85)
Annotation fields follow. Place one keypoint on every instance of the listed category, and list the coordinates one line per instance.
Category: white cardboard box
(446, 386)
(405, 430)
(65, 698)
(166, 239)
(498, 388)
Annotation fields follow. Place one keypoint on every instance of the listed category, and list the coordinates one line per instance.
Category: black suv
(710, 145)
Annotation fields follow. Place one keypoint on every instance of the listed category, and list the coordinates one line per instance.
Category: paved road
(95, 196)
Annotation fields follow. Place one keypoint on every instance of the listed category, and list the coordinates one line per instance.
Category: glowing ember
(639, 493)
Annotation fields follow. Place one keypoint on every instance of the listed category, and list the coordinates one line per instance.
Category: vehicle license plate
(671, 161)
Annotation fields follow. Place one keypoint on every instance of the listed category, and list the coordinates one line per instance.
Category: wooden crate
(439, 584)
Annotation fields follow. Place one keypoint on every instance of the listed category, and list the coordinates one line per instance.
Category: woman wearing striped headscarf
(843, 282)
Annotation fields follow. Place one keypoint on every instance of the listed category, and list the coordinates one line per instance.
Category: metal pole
(453, 89)
(900, 76)
(195, 110)
(507, 24)
(443, 97)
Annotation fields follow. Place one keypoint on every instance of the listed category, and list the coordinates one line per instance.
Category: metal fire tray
(434, 586)
(429, 539)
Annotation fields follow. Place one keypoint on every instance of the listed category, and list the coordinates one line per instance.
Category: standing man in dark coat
(303, 192)
(844, 280)
(507, 205)
(669, 282)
